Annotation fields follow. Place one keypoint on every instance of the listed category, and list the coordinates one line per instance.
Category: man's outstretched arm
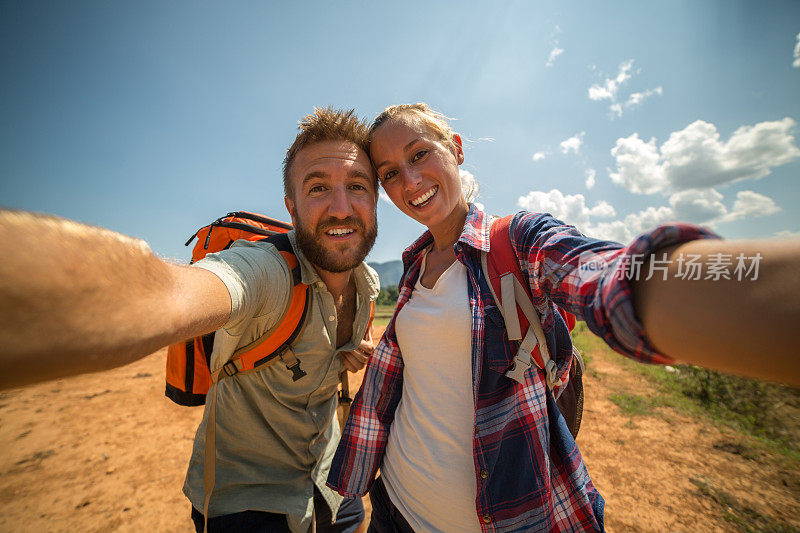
(75, 299)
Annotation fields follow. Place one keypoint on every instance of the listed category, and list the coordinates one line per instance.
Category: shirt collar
(308, 274)
(476, 229)
(475, 235)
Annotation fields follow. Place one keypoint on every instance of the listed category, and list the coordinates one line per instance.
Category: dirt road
(108, 452)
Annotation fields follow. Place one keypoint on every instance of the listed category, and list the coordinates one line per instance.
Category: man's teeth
(340, 231)
(425, 197)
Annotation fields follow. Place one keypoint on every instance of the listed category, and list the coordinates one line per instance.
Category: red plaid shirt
(521, 487)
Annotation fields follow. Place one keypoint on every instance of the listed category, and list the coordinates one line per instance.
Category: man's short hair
(326, 124)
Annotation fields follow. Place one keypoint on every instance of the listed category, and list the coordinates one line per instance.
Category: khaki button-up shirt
(275, 437)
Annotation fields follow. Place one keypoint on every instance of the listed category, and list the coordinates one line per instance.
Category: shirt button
(320, 285)
(484, 474)
(487, 519)
(331, 318)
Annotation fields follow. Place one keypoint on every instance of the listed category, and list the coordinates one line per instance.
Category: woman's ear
(458, 150)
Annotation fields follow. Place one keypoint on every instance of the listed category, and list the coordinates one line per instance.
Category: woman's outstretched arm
(726, 305)
(745, 324)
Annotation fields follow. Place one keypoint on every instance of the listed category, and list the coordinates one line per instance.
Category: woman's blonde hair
(422, 114)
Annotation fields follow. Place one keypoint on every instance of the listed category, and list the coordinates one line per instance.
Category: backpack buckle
(517, 371)
(230, 368)
(297, 372)
(344, 398)
(551, 369)
(292, 363)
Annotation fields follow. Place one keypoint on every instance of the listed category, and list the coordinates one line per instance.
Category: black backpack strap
(283, 244)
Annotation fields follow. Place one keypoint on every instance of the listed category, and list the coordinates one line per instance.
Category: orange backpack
(188, 376)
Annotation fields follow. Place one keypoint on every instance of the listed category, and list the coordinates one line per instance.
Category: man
(85, 299)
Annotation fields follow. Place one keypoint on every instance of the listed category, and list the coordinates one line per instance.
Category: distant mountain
(389, 272)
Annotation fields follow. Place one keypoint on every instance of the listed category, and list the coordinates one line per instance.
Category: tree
(388, 296)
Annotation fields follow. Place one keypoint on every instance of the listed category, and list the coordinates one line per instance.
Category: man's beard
(310, 242)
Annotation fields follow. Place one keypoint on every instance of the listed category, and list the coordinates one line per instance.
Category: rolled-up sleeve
(257, 278)
(591, 278)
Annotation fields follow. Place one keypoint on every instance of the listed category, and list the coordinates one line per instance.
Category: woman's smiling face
(419, 171)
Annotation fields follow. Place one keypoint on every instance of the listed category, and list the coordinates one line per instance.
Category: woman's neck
(449, 230)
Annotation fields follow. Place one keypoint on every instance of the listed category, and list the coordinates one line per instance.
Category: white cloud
(610, 87)
(603, 209)
(539, 156)
(706, 207)
(796, 63)
(571, 208)
(469, 184)
(554, 53)
(699, 207)
(696, 158)
(637, 98)
(590, 177)
(638, 165)
(629, 227)
(786, 234)
(750, 204)
(573, 144)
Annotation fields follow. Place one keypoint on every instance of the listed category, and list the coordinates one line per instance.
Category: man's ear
(458, 149)
(289, 203)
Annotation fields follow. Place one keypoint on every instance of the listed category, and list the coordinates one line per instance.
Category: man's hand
(355, 360)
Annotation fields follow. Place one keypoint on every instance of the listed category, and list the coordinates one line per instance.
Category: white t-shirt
(428, 469)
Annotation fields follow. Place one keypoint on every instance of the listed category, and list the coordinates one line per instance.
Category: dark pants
(386, 518)
(350, 516)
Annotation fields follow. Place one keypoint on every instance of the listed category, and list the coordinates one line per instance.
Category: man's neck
(337, 282)
(342, 288)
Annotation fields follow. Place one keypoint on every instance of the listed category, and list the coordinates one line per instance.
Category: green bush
(388, 296)
(767, 411)
(758, 407)
(632, 404)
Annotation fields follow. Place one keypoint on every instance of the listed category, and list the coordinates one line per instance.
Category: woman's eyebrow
(405, 149)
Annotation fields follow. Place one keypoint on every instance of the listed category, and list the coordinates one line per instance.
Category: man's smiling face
(333, 204)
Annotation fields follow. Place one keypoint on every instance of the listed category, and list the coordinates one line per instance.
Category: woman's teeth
(425, 197)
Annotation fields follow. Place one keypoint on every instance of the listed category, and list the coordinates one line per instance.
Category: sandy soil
(107, 452)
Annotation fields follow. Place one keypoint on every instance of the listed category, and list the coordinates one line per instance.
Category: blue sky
(153, 118)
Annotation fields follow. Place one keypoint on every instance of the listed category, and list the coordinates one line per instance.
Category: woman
(505, 460)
